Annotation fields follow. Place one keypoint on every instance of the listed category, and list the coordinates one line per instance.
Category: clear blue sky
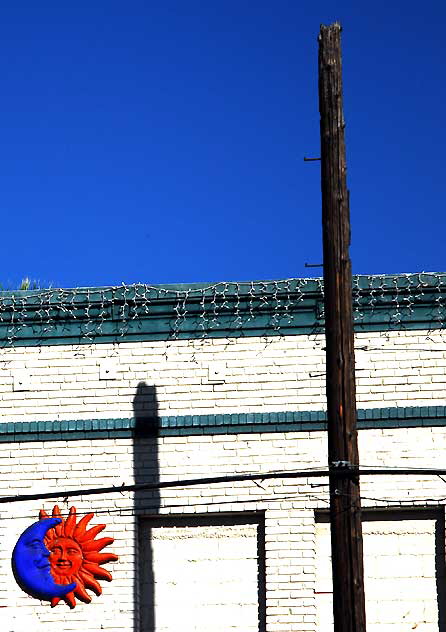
(163, 142)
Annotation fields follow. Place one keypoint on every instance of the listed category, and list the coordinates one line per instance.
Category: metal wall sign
(58, 558)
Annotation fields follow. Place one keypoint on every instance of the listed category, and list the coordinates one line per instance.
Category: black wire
(342, 471)
(407, 502)
(155, 508)
(236, 478)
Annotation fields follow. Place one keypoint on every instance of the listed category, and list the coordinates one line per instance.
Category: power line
(155, 508)
(338, 469)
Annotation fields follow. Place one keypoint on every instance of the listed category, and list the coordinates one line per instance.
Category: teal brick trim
(291, 421)
(270, 308)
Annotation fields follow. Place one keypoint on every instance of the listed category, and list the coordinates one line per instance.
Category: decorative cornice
(260, 308)
(290, 421)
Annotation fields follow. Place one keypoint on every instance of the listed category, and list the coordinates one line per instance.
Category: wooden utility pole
(343, 460)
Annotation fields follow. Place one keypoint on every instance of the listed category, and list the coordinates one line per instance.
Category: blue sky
(163, 142)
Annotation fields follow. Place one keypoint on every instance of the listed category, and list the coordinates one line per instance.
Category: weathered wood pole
(343, 459)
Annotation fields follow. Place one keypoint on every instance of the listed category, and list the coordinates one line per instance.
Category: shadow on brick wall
(147, 515)
(146, 503)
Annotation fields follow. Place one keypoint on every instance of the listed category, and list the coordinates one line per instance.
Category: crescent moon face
(30, 563)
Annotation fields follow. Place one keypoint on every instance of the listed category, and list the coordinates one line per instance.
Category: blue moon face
(31, 566)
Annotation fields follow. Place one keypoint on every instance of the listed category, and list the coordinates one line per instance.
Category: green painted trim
(235, 423)
(258, 308)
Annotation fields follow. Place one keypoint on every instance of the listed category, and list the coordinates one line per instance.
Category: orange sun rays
(75, 555)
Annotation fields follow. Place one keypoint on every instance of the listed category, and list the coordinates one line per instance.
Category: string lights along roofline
(197, 287)
(277, 307)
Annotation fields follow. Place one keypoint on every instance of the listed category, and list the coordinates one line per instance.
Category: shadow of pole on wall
(146, 503)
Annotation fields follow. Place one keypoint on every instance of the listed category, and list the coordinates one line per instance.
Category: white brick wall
(278, 373)
(289, 505)
(396, 369)
(400, 573)
(208, 572)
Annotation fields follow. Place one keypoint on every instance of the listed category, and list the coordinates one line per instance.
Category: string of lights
(116, 311)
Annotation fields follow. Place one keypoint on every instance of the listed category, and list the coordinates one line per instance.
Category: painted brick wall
(289, 508)
(402, 562)
(258, 374)
(210, 573)
(254, 374)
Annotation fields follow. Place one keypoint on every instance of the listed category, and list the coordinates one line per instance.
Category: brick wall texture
(395, 369)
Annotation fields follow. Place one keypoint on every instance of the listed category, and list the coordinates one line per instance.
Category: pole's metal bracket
(338, 464)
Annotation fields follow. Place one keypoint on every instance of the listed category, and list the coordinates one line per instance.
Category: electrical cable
(339, 470)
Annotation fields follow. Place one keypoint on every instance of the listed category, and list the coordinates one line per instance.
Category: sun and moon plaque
(59, 559)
